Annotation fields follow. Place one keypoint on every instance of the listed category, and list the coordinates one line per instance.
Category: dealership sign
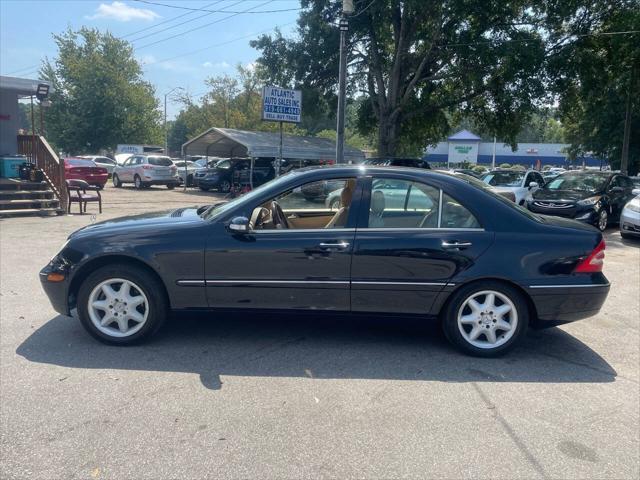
(281, 104)
(463, 152)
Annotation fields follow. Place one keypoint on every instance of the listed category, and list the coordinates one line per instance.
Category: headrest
(377, 202)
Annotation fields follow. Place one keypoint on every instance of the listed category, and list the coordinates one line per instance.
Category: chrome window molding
(303, 230)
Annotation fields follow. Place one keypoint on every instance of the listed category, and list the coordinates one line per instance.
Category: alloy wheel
(137, 182)
(603, 219)
(225, 186)
(487, 319)
(118, 307)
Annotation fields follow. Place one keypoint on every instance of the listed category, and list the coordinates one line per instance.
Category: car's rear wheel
(603, 220)
(486, 319)
(116, 181)
(204, 189)
(121, 305)
(335, 204)
(171, 186)
(224, 186)
(137, 182)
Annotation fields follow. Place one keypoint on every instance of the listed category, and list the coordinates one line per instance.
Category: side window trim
(439, 208)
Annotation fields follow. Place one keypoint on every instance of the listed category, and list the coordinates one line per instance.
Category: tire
(137, 182)
(116, 181)
(155, 306)
(458, 308)
(224, 186)
(171, 186)
(100, 187)
(335, 204)
(603, 220)
(204, 189)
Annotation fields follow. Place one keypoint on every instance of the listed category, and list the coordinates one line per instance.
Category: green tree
(600, 82)
(414, 60)
(100, 97)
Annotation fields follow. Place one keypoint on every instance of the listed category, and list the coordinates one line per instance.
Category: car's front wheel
(121, 304)
(603, 220)
(224, 186)
(486, 319)
(137, 181)
(171, 186)
(116, 181)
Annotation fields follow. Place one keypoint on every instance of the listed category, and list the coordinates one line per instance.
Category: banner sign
(281, 104)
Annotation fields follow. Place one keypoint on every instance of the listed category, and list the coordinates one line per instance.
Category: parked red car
(87, 170)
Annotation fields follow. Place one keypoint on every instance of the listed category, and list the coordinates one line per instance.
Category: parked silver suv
(146, 170)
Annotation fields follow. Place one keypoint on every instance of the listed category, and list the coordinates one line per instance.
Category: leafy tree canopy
(100, 97)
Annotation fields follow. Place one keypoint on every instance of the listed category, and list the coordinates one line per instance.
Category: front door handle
(455, 244)
(334, 246)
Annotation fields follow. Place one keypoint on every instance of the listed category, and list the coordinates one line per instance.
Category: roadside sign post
(281, 105)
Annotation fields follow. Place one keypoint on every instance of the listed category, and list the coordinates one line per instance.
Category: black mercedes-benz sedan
(448, 251)
(592, 197)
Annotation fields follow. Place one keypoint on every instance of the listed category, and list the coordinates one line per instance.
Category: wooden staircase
(34, 198)
(20, 198)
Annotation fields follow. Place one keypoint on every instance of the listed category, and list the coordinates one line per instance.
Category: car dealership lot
(265, 397)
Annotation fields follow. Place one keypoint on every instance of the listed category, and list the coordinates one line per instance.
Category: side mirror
(636, 191)
(239, 225)
(534, 184)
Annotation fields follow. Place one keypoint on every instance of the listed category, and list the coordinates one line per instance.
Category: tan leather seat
(339, 220)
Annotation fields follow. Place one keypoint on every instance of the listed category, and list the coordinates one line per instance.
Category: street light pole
(347, 8)
(166, 133)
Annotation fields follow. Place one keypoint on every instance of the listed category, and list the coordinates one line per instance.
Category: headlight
(634, 205)
(589, 201)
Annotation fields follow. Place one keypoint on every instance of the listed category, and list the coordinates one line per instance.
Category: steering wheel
(278, 216)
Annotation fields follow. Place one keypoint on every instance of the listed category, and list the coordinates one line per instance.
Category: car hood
(163, 219)
(566, 195)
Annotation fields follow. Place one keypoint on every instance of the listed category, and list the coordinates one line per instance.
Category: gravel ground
(261, 397)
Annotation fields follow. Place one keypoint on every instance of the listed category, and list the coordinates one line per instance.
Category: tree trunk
(387, 135)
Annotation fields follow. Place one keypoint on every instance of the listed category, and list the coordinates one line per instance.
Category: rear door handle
(455, 244)
(334, 246)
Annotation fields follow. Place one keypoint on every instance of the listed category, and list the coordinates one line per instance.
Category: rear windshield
(160, 161)
(504, 179)
(79, 162)
(484, 187)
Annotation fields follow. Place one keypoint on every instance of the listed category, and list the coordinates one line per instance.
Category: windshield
(504, 179)
(160, 161)
(587, 182)
(220, 209)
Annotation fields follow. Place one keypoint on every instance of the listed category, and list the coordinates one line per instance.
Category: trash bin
(10, 165)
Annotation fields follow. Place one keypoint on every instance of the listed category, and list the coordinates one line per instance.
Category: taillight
(146, 166)
(594, 262)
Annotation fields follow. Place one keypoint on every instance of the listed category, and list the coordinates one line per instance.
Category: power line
(179, 24)
(202, 26)
(215, 11)
(217, 44)
(167, 21)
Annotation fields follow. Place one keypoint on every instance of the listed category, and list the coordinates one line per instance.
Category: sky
(203, 43)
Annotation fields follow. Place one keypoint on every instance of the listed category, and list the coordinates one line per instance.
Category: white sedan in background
(630, 219)
(522, 183)
(191, 169)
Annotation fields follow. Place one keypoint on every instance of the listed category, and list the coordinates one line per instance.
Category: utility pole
(493, 157)
(347, 9)
(624, 161)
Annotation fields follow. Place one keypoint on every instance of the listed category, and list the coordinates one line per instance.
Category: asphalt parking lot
(263, 397)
